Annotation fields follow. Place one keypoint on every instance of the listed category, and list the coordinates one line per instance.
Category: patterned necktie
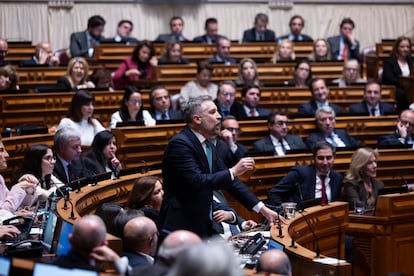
(324, 200)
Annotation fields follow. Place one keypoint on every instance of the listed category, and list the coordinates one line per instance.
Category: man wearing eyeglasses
(350, 74)
(4, 47)
(403, 135)
(278, 141)
(226, 94)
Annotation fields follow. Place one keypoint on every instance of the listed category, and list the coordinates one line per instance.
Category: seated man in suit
(259, 32)
(403, 135)
(318, 180)
(278, 141)
(43, 56)
(123, 33)
(320, 93)
(296, 25)
(140, 241)
(4, 48)
(226, 222)
(372, 105)
(229, 134)
(225, 101)
(82, 43)
(176, 27)
(89, 247)
(325, 121)
(350, 74)
(211, 35)
(160, 102)
(67, 146)
(251, 98)
(344, 46)
(223, 46)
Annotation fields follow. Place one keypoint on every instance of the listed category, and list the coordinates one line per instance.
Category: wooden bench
(111, 55)
(19, 52)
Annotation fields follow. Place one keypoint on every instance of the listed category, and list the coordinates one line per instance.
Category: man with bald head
(403, 134)
(4, 48)
(175, 243)
(140, 241)
(88, 233)
(274, 261)
(43, 56)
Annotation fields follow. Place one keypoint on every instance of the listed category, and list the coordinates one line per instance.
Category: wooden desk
(407, 84)
(328, 224)
(384, 242)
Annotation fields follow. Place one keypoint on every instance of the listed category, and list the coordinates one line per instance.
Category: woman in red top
(136, 67)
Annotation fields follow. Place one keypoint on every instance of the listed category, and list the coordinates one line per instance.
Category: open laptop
(5, 264)
(49, 230)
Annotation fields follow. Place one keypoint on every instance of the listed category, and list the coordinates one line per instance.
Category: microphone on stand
(302, 207)
(292, 244)
(315, 239)
(72, 213)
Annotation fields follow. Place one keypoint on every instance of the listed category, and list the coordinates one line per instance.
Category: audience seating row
(50, 108)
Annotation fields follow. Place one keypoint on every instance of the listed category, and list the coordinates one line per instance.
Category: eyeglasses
(135, 101)
(49, 158)
(303, 69)
(407, 123)
(281, 123)
(231, 129)
(231, 95)
(352, 69)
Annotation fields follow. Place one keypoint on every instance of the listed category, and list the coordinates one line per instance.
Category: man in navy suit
(43, 56)
(278, 141)
(403, 134)
(140, 241)
(251, 97)
(325, 121)
(160, 101)
(306, 182)
(82, 43)
(296, 25)
(225, 101)
(176, 27)
(192, 171)
(211, 35)
(372, 105)
(123, 33)
(344, 46)
(320, 93)
(223, 46)
(259, 32)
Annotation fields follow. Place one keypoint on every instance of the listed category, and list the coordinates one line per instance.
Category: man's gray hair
(194, 107)
(325, 109)
(63, 136)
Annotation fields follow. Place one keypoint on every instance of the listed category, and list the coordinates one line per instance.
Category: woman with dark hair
(172, 53)
(400, 64)
(38, 163)
(80, 117)
(302, 75)
(76, 77)
(101, 157)
(136, 67)
(9, 78)
(146, 195)
(131, 110)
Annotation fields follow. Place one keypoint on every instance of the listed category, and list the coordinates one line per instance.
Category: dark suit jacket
(217, 59)
(392, 72)
(77, 170)
(348, 140)
(250, 35)
(136, 259)
(391, 140)
(128, 41)
(335, 41)
(236, 109)
(301, 38)
(92, 166)
(224, 205)
(287, 188)
(29, 62)
(265, 144)
(79, 45)
(203, 39)
(173, 114)
(4, 62)
(189, 185)
(361, 108)
(168, 37)
(310, 108)
(159, 268)
(74, 260)
(227, 156)
(242, 115)
(355, 191)
(63, 84)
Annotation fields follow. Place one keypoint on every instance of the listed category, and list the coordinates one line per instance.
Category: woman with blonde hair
(361, 185)
(285, 52)
(321, 51)
(76, 77)
(247, 73)
(172, 53)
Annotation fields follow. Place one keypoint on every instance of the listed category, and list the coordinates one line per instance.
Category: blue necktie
(333, 141)
(209, 155)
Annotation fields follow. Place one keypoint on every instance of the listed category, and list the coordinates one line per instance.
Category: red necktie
(324, 200)
(344, 55)
(252, 113)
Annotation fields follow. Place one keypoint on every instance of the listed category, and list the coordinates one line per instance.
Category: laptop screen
(47, 269)
(4, 266)
(63, 245)
(273, 244)
(49, 230)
